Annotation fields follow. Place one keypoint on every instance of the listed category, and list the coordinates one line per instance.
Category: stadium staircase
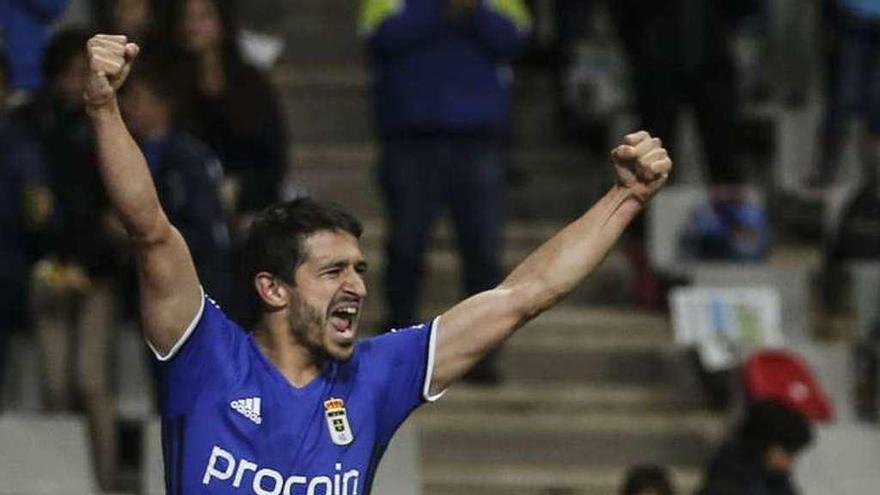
(591, 387)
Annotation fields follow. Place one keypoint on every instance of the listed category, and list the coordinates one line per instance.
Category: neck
(211, 77)
(281, 348)
(156, 131)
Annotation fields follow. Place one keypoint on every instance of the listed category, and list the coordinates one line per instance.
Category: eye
(332, 273)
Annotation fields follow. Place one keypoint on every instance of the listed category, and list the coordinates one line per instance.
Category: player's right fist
(109, 59)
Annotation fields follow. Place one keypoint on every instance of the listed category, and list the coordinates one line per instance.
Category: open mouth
(343, 320)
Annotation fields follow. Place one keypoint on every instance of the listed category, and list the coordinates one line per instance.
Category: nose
(355, 285)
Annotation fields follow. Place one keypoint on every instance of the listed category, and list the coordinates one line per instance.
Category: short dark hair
(643, 477)
(62, 48)
(274, 243)
(227, 12)
(769, 423)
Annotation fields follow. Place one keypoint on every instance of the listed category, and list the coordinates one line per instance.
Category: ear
(272, 291)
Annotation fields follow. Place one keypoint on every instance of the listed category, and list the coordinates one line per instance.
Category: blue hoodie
(866, 9)
(433, 75)
(24, 25)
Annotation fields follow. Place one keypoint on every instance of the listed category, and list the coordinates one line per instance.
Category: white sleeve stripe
(185, 336)
(429, 370)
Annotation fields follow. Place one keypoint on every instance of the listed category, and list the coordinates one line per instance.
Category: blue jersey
(232, 424)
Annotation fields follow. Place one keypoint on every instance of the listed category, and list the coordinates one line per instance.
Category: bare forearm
(561, 263)
(481, 323)
(126, 176)
(541, 280)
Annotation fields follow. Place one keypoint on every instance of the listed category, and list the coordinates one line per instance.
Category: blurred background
(730, 341)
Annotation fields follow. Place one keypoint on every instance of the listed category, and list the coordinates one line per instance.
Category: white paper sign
(725, 323)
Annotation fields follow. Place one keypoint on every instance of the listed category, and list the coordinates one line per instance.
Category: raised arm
(169, 288)
(474, 327)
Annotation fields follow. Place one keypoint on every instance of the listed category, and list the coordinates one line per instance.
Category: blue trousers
(13, 315)
(852, 87)
(420, 178)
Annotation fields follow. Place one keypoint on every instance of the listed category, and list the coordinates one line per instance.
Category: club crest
(337, 422)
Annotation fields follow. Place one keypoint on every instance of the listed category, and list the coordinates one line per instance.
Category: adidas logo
(249, 408)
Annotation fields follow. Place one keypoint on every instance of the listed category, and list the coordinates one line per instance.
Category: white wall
(845, 458)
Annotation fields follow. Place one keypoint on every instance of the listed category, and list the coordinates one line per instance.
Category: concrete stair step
(513, 398)
(545, 183)
(620, 362)
(577, 345)
(524, 479)
(610, 284)
(329, 101)
(518, 234)
(314, 30)
(564, 324)
(564, 439)
(355, 77)
(572, 346)
(576, 326)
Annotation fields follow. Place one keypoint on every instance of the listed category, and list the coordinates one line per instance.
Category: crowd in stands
(213, 132)
(210, 126)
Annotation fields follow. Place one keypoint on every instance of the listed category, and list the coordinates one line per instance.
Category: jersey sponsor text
(223, 467)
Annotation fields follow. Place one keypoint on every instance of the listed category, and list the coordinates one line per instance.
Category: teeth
(350, 311)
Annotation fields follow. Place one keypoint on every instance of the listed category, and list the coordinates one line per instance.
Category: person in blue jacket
(25, 206)
(442, 95)
(25, 29)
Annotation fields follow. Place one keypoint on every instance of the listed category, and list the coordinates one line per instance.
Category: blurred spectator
(24, 25)
(790, 56)
(727, 229)
(229, 104)
(27, 203)
(136, 19)
(187, 175)
(647, 479)
(573, 20)
(441, 96)
(759, 457)
(852, 87)
(680, 53)
(72, 300)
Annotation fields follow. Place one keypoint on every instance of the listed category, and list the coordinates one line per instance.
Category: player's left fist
(109, 58)
(642, 165)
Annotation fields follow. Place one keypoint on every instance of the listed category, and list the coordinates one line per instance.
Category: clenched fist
(109, 58)
(642, 165)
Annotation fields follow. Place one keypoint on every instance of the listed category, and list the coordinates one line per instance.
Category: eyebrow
(342, 264)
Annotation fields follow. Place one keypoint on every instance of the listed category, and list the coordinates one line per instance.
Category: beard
(308, 326)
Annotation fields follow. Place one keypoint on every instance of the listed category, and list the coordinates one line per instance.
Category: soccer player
(298, 406)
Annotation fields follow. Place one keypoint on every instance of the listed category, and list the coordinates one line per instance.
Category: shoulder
(195, 156)
(210, 328)
(398, 345)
